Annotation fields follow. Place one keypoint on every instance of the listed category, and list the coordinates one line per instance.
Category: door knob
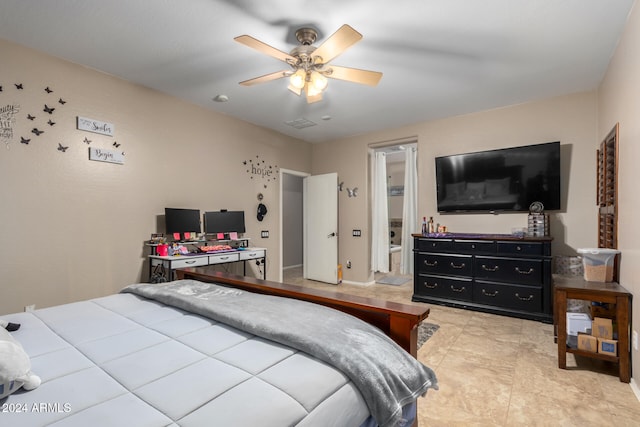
(332, 234)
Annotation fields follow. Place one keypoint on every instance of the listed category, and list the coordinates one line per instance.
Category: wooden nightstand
(578, 288)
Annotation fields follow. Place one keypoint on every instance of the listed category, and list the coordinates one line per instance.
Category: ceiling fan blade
(265, 78)
(265, 48)
(337, 43)
(354, 75)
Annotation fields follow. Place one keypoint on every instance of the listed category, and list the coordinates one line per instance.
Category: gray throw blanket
(387, 376)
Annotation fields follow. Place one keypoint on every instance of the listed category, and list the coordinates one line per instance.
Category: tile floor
(501, 371)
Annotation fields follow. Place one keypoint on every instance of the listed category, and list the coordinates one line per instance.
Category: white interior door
(320, 223)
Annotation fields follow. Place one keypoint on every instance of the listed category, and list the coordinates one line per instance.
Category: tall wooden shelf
(607, 191)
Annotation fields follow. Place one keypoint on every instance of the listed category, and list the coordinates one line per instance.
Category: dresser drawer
(515, 297)
(251, 254)
(521, 248)
(444, 287)
(449, 264)
(222, 258)
(514, 270)
(434, 245)
(189, 262)
(474, 246)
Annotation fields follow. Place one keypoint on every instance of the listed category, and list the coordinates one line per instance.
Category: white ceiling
(439, 57)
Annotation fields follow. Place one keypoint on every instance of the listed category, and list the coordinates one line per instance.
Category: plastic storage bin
(598, 263)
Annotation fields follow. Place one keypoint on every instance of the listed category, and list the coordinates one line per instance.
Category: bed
(220, 351)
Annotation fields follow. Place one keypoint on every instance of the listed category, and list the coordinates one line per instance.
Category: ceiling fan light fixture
(294, 89)
(318, 81)
(298, 79)
(309, 64)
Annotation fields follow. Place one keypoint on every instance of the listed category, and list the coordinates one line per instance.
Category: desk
(578, 288)
(162, 268)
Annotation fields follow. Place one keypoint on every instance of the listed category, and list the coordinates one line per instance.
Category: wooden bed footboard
(399, 321)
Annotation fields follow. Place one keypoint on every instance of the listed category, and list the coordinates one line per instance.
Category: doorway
(309, 226)
(394, 207)
(291, 235)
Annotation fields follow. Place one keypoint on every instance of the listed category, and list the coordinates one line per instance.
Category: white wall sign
(96, 126)
(106, 155)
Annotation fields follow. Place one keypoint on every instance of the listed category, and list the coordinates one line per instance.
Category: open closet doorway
(394, 212)
(291, 225)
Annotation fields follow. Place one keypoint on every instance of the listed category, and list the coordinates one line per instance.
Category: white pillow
(15, 366)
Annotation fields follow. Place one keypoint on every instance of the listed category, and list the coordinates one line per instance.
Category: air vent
(300, 123)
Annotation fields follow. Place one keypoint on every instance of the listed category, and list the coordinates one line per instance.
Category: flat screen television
(224, 222)
(182, 220)
(508, 179)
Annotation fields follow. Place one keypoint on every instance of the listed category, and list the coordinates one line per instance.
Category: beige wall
(570, 119)
(619, 101)
(72, 228)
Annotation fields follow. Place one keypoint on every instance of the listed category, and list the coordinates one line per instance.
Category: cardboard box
(602, 328)
(578, 322)
(587, 342)
(609, 347)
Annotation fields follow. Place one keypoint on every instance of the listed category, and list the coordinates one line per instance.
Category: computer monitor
(224, 222)
(182, 221)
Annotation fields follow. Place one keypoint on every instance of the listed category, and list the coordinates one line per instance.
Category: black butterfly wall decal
(37, 132)
(62, 148)
(62, 101)
(18, 86)
(51, 123)
(86, 140)
(48, 109)
(115, 144)
(47, 89)
(24, 140)
(0, 88)
(30, 117)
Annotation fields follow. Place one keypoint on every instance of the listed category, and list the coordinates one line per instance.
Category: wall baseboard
(349, 282)
(635, 388)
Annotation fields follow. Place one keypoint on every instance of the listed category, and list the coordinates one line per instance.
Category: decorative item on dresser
(497, 273)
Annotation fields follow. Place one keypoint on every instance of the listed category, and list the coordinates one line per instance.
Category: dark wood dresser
(501, 274)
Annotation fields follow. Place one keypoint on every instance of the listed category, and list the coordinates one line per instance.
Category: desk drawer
(222, 258)
(189, 262)
(244, 255)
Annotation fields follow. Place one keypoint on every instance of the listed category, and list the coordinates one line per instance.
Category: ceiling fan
(310, 65)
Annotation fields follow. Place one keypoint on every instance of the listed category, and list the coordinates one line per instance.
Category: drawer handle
(430, 286)
(485, 268)
(457, 266)
(518, 248)
(489, 294)
(190, 262)
(457, 289)
(529, 298)
(224, 258)
(531, 270)
(430, 264)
